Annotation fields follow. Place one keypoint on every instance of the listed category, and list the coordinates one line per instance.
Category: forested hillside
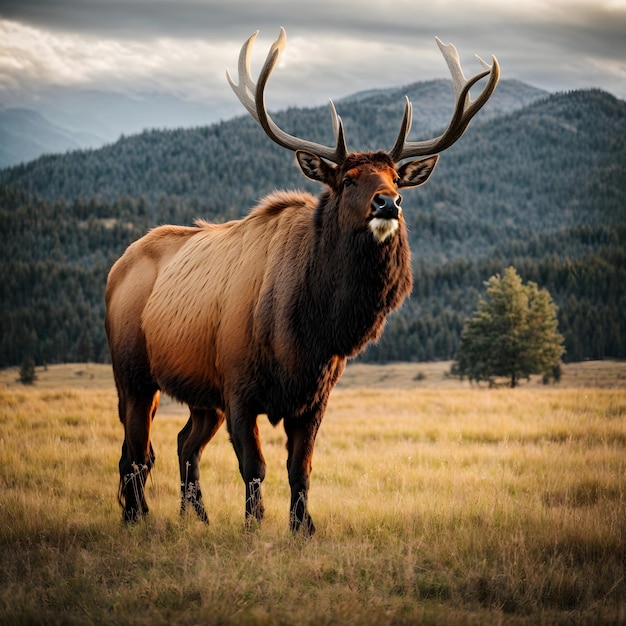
(535, 183)
(224, 169)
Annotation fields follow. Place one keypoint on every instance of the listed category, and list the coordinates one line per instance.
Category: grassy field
(435, 503)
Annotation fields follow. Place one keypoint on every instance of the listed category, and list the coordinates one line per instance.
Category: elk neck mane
(324, 272)
(272, 206)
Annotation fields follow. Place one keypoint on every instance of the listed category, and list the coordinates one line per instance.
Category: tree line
(54, 265)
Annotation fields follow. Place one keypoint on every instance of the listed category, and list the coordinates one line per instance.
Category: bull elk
(259, 315)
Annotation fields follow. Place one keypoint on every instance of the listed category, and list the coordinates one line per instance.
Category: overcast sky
(334, 47)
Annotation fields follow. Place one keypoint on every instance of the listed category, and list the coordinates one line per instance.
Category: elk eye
(347, 181)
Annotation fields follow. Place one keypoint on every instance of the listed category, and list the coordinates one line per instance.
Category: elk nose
(386, 207)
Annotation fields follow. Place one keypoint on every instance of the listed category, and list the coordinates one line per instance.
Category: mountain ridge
(84, 124)
(25, 135)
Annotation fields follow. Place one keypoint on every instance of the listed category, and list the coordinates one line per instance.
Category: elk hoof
(132, 515)
(198, 507)
(191, 494)
(304, 525)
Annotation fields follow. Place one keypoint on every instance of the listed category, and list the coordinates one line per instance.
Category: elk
(259, 315)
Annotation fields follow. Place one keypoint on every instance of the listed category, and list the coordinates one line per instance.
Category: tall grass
(431, 506)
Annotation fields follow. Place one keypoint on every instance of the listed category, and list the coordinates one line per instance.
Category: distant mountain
(150, 164)
(433, 101)
(65, 120)
(91, 119)
(26, 135)
(539, 184)
(542, 165)
(111, 114)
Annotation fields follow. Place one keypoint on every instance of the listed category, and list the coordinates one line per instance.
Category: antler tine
(245, 89)
(464, 110)
(405, 129)
(451, 56)
(335, 119)
(252, 96)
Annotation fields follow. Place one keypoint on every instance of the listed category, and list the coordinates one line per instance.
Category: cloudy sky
(334, 47)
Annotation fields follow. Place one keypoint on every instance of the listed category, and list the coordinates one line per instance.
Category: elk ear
(315, 168)
(415, 173)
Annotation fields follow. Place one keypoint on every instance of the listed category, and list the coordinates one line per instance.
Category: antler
(464, 110)
(252, 96)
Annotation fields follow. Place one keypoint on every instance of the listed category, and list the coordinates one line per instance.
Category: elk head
(373, 179)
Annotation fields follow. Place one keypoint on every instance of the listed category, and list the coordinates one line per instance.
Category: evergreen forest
(538, 182)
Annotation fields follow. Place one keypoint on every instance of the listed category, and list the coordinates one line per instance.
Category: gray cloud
(334, 47)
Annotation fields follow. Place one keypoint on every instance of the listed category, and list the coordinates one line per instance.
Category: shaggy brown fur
(256, 316)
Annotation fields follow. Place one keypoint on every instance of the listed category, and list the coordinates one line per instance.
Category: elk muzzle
(386, 207)
(385, 213)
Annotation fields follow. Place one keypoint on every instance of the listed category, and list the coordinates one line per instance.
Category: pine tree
(513, 332)
(27, 371)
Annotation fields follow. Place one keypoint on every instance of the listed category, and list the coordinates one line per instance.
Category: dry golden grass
(436, 504)
(597, 374)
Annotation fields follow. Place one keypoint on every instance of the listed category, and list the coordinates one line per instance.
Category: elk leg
(137, 456)
(301, 432)
(244, 435)
(192, 439)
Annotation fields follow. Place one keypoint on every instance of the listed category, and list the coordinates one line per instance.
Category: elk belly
(382, 228)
